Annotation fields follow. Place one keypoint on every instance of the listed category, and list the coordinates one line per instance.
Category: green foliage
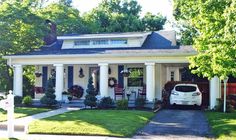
(153, 22)
(122, 104)
(216, 32)
(27, 100)
(90, 99)
(17, 100)
(49, 97)
(121, 16)
(139, 103)
(105, 103)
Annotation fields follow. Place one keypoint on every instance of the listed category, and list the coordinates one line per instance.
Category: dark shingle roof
(154, 43)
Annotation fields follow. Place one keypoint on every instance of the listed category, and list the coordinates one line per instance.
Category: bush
(27, 100)
(105, 103)
(122, 104)
(90, 98)
(76, 91)
(229, 106)
(49, 97)
(17, 100)
(139, 103)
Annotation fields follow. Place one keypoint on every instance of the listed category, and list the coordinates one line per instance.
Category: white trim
(93, 36)
(150, 64)
(98, 55)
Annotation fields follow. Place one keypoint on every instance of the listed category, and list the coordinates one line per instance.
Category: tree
(90, 99)
(21, 31)
(49, 97)
(214, 21)
(153, 22)
(121, 16)
(67, 19)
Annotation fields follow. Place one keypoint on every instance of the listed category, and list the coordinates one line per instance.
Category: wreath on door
(112, 82)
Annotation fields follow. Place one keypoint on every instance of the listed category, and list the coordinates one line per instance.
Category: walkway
(176, 124)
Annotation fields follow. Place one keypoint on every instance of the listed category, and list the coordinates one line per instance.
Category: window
(172, 75)
(118, 41)
(185, 88)
(135, 78)
(82, 42)
(100, 42)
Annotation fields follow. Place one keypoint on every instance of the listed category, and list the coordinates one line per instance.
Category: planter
(37, 74)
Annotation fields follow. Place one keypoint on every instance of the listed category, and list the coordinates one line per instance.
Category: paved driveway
(176, 124)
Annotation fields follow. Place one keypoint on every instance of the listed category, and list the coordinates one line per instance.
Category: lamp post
(225, 82)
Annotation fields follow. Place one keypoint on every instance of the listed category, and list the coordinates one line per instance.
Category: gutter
(100, 55)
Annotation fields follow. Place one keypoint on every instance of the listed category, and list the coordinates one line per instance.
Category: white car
(186, 94)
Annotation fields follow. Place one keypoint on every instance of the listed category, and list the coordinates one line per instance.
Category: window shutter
(70, 76)
(120, 76)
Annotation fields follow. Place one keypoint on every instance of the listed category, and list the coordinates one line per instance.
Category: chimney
(51, 37)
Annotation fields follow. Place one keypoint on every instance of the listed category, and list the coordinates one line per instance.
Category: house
(153, 58)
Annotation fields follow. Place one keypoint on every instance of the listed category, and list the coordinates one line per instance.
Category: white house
(155, 55)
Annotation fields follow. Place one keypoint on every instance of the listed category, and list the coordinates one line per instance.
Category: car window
(185, 88)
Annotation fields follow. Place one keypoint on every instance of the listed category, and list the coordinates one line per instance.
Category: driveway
(176, 124)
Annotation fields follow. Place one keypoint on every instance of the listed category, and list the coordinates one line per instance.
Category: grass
(119, 123)
(22, 112)
(223, 124)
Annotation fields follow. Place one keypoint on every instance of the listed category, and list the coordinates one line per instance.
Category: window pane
(82, 42)
(118, 41)
(136, 77)
(185, 88)
(100, 42)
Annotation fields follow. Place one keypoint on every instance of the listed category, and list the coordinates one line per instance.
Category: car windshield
(185, 88)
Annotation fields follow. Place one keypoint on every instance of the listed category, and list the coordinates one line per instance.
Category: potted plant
(125, 73)
(37, 74)
(76, 91)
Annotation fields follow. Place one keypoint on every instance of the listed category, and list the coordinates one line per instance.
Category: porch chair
(142, 92)
(119, 91)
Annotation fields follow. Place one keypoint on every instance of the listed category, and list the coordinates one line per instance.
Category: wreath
(112, 82)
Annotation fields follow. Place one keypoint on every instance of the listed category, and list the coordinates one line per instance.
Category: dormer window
(82, 42)
(118, 41)
(100, 42)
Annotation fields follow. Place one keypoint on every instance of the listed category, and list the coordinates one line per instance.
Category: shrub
(76, 91)
(220, 106)
(90, 98)
(27, 100)
(17, 100)
(139, 103)
(49, 97)
(122, 104)
(157, 104)
(105, 103)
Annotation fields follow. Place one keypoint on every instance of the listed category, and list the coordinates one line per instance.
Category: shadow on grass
(222, 124)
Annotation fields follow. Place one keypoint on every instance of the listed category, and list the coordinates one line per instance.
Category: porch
(150, 77)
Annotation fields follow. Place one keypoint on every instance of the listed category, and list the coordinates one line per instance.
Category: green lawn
(118, 123)
(22, 112)
(223, 124)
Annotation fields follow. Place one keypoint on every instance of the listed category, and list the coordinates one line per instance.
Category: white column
(59, 81)
(150, 81)
(104, 79)
(214, 91)
(18, 80)
(158, 83)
